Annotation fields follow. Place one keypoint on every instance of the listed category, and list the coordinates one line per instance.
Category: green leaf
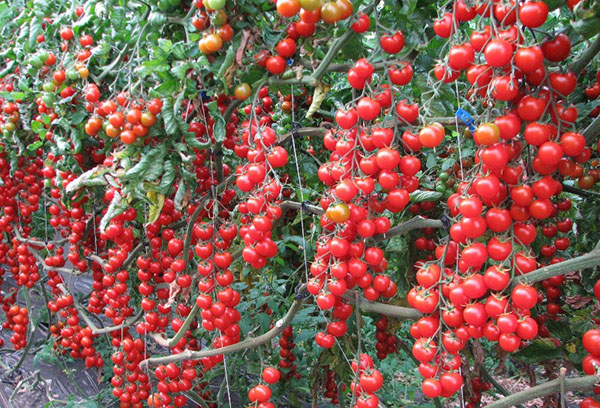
(560, 330)
(181, 69)
(180, 195)
(168, 116)
(168, 177)
(420, 196)
(165, 45)
(115, 208)
(35, 145)
(219, 125)
(397, 244)
(142, 168)
(166, 88)
(12, 96)
(92, 177)
(157, 202)
(539, 350)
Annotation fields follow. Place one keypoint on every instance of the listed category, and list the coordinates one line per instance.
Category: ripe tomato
(276, 64)
(362, 24)
(431, 388)
(524, 297)
(591, 342)
(533, 13)
(242, 91)
(431, 136)
(528, 59)
(504, 88)
(443, 26)
(392, 44)
(288, 8)
(486, 134)
(498, 53)
(461, 56)
(557, 49)
(368, 109)
(286, 48)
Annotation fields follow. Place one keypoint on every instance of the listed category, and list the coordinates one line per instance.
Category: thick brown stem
(592, 131)
(588, 260)
(570, 384)
(280, 325)
(585, 58)
(414, 223)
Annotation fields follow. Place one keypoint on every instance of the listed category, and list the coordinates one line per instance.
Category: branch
(570, 384)
(249, 343)
(580, 63)
(95, 329)
(166, 342)
(296, 206)
(580, 192)
(398, 312)
(414, 223)
(588, 260)
(592, 131)
(337, 46)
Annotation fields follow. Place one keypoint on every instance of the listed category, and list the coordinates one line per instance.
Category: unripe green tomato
(440, 188)
(286, 120)
(163, 5)
(43, 56)
(73, 75)
(216, 4)
(310, 5)
(36, 62)
(10, 127)
(219, 18)
(48, 99)
(48, 87)
(444, 176)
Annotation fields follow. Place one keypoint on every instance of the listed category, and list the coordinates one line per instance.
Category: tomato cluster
(386, 341)
(312, 11)
(370, 380)
(212, 22)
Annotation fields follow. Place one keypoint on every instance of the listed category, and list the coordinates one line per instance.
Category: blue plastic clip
(204, 96)
(466, 118)
(290, 62)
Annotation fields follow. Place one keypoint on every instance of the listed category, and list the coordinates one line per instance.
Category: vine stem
(591, 132)
(95, 329)
(580, 63)
(362, 304)
(588, 260)
(570, 384)
(166, 342)
(580, 192)
(30, 334)
(249, 343)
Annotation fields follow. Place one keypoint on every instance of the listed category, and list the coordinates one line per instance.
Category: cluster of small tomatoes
(312, 11)
(260, 394)
(125, 119)
(288, 358)
(471, 290)
(212, 21)
(258, 177)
